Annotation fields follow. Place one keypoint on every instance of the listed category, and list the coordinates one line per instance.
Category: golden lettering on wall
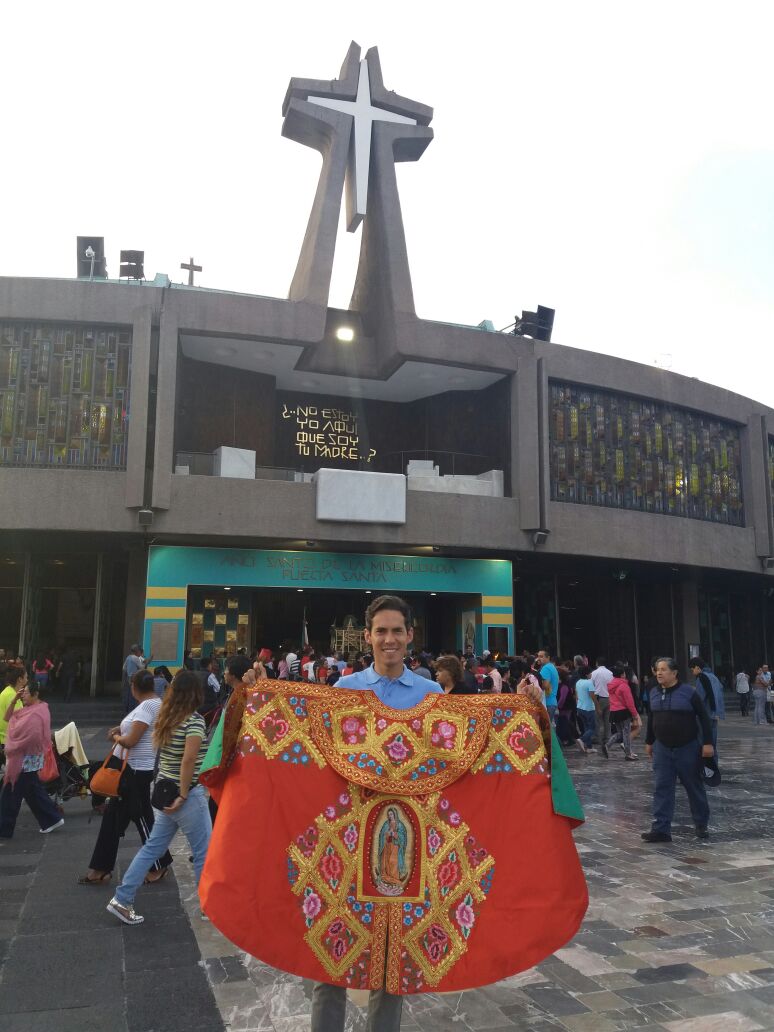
(327, 433)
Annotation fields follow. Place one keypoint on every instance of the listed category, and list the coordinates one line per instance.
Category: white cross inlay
(364, 114)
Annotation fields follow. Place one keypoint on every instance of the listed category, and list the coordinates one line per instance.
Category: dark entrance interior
(221, 622)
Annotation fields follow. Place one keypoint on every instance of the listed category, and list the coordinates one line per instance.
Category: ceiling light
(299, 589)
(368, 593)
(433, 593)
(227, 589)
(345, 334)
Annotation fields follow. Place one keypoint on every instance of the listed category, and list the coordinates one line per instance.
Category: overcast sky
(612, 160)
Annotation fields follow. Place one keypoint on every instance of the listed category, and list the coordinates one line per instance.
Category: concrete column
(138, 407)
(544, 445)
(25, 603)
(756, 485)
(166, 388)
(136, 580)
(687, 620)
(525, 442)
(96, 633)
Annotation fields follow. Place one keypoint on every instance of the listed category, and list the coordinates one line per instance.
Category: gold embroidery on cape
(297, 728)
(500, 739)
(420, 772)
(331, 905)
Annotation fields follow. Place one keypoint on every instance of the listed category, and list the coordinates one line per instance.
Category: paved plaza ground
(677, 937)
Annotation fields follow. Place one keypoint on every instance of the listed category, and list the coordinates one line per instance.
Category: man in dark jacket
(679, 734)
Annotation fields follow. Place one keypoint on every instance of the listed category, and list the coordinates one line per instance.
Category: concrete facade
(510, 517)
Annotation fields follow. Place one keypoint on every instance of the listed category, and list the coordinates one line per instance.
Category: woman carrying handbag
(133, 741)
(27, 740)
(179, 799)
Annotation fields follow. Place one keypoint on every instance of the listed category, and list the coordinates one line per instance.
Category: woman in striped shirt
(179, 736)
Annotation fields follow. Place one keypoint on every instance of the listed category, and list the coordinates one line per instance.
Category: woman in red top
(623, 714)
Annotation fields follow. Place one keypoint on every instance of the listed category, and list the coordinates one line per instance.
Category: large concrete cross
(364, 113)
(361, 129)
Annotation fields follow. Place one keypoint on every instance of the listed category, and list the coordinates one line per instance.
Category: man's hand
(707, 751)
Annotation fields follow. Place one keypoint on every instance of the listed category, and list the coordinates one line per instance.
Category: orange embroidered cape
(365, 846)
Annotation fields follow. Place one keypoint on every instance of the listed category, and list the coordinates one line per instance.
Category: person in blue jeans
(587, 714)
(679, 734)
(178, 734)
(389, 631)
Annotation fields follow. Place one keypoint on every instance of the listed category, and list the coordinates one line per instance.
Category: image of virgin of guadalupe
(391, 869)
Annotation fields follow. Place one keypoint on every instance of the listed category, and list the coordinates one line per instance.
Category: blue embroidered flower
(366, 918)
(407, 920)
(369, 907)
(407, 906)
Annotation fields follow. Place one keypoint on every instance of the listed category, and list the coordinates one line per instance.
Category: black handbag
(165, 792)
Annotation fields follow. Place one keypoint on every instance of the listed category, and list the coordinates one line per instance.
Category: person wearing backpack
(711, 693)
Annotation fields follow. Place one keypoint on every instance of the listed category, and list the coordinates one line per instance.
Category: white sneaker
(124, 912)
(53, 827)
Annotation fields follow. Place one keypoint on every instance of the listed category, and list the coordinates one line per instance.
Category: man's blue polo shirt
(403, 693)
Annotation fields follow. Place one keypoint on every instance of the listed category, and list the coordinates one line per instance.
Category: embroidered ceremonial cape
(365, 846)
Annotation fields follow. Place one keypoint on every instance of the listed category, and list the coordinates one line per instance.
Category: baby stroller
(74, 770)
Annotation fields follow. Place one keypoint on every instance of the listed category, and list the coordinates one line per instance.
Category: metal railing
(202, 464)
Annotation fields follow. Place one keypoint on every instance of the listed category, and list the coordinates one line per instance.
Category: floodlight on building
(145, 517)
(91, 258)
(539, 537)
(345, 334)
(767, 562)
(537, 325)
(132, 265)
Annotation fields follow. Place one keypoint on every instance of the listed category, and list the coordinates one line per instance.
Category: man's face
(664, 675)
(695, 669)
(542, 657)
(389, 637)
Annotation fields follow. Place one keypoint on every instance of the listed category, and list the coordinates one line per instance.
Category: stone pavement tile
(585, 960)
(728, 965)
(474, 1010)
(603, 1023)
(616, 980)
(554, 1001)
(75, 973)
(667, 973)
(602, 1000)
(727, 1021)
(225, 969)
(176, 1001)
(657, 992)
(96, 1018)
(155, 945)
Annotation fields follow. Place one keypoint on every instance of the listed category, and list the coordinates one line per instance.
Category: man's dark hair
(238, 666)
(618, 670)
(697, 661)
(489, 663)
(548, 651)
(389, 602)
(601, 661)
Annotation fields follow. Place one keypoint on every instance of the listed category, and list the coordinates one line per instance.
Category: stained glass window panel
(61, 403)
(630, 453)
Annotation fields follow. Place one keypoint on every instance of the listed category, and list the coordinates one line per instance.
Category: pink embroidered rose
(274, 728)
(416, 724)
(381, 724)
(454, 818)
(448, 873)
(350, 837)
(435, 942)
(444, 804)
(448, 733)
(331, 866)
(465, 915)
(311, 906)
(330, 812)
(343, 798)
(433, 841)
(336, 928)
(397, 750)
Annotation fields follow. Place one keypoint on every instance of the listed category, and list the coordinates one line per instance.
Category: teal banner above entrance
(484, 586)
(172, 566)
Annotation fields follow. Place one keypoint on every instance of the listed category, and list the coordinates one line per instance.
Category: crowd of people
(596, 708)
